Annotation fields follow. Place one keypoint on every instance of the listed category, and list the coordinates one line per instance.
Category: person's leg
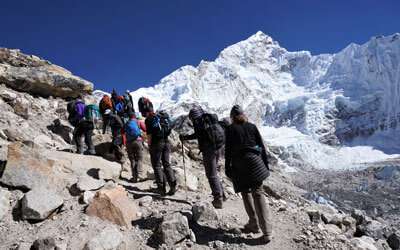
(262, 211)
(155, 155)
(131, 155)
(78, 133)
(169, 172)
(252, 224)
(138, 153)
(211, 169)
(89, 141)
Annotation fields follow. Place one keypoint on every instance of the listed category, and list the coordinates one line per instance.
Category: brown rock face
(39, 77)
(113, 204)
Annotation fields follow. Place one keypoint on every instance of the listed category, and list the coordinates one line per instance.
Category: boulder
(26, 168)
(332, 218)
(145, 201)
(87, 197)
(394, 240)
(110, 238)
(174, 228)
(192, 182)
(373, 229)
(363, 243)
(359, 216)
(204, 212)
(4, 202)
(39, 77)
(39, 203)
(112, 204)
(87, 183)
(313, 214)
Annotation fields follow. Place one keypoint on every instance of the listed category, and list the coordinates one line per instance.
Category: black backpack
(145, 105)
(213, 130)
(161, 125)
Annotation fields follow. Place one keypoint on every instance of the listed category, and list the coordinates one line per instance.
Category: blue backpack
(132, 130)
(119, 107)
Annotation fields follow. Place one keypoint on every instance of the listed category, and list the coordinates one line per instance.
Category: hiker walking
(211, 138)
(246, 165)
(104, 104)
(78, 111)
(116, 124)
(158, 129)
(134, 130)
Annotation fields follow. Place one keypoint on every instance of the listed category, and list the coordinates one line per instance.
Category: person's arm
(228, 154)
(260, 143)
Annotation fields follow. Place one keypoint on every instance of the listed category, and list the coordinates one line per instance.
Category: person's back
(242, 136)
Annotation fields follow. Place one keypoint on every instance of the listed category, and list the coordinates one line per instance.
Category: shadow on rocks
(150, 223)
(205, 235)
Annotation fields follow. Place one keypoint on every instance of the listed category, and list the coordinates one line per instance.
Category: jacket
(245, 156)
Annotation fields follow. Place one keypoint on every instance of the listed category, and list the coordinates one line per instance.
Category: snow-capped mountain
(350, 98)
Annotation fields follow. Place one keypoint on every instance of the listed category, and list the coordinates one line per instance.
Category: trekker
(114, 98)
(158, 129)
(134, 130)
(211, 138)
(120, 107)
(116, 124)
(82, 127)
(104, 104)
(247, 166)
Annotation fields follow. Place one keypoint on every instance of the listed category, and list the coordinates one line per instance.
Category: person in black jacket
(247, 166)
(210, 155)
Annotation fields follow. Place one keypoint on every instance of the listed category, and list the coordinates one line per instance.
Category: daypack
(92, 113)
(132, 130)
(161, 125)
(144, 105)
(76, 111)
(119, 107)
(105, 103)
(213, 130)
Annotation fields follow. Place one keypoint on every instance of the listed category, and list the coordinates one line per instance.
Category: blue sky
(130, 44)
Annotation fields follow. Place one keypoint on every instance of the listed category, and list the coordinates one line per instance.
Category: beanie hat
(196, 112)
(236, 110)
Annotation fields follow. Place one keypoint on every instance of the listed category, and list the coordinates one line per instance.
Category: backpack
(144, 105)
(132, 130)
(92, 113)
(213, 130)
(105, 104)
(161, 125)
(76, 111)
(119, 107)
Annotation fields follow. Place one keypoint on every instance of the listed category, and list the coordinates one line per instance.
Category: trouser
(84, 129)
(210, 161)
(135, 154)
(257, 209)
(159, 153)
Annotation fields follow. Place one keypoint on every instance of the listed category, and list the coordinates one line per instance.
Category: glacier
(323, 111)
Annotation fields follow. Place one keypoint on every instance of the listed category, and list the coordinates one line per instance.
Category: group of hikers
(246, 163)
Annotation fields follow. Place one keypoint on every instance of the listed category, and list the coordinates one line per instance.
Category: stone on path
(39, 203)
(174, 228)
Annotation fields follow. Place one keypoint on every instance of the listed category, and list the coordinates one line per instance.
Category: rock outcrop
(39, 77)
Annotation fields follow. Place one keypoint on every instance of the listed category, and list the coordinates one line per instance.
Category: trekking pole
(184, 170)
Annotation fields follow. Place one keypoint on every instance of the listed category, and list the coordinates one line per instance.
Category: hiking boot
(250, 228)
(217, 202)
(265, 239)
(162, 190)
(173, 189)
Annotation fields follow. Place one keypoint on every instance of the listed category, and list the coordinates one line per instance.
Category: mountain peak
(261, 36)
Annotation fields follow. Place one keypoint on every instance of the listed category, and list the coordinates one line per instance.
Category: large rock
(39, 203)
(87, 183)
(204, 212)
(109, 238)
(26, 168)
(363, 243)
(373, 229)
(174, 228)
(192, 182)
(47, 244)
(4, 202)
(113, 204)
(39, 77)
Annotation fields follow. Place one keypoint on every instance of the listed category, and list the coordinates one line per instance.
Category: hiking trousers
(210, 161)
(84, 129)
(159, 154)
(257, 209)
(135, 155)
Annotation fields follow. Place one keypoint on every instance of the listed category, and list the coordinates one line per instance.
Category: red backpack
(105, 104)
